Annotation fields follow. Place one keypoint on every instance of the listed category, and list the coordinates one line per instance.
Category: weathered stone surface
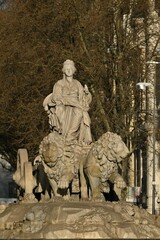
(85, 219)
(3, 207)
(68, 162)
(67, 107)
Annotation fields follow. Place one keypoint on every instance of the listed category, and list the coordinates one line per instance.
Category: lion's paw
(63, 183)
(120, 183)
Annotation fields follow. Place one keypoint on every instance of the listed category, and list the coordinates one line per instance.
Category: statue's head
(68, 64)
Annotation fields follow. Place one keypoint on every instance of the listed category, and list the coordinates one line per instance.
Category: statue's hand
(46, 108)
(86, 89)
(85, 109)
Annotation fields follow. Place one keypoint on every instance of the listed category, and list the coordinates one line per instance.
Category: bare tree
(37, 36)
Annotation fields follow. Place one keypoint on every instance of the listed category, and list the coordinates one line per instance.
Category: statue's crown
(68, 62)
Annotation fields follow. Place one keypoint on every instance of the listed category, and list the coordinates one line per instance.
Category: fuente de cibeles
(63, 193)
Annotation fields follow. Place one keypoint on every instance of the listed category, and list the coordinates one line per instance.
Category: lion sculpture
(102, 165)
(98, 163)
(61, 164)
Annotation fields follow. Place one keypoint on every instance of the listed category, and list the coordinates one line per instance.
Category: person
(68, 107)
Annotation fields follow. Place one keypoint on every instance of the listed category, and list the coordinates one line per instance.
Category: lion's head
(51, 148)
(50, 152)
(110, 146)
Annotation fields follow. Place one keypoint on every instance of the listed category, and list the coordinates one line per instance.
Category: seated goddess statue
(67, 107)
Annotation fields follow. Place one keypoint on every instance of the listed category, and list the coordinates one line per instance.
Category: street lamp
(142, 86)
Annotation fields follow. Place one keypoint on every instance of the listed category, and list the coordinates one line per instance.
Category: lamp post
(154, 155)
(154, 141)
(146, 181)
(143, 86)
